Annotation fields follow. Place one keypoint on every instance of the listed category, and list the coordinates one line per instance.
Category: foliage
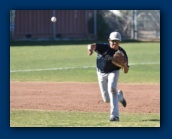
(102, 26)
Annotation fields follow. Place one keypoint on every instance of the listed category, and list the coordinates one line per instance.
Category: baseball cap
(115, 36)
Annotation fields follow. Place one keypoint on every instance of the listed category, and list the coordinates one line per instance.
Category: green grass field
(61, 63)
(30, 118)
(49, 63)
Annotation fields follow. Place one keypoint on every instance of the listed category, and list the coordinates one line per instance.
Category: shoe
(123, 102)
(114, 119)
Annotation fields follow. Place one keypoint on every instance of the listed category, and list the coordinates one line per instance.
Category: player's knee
(106, 99)
(114, 90)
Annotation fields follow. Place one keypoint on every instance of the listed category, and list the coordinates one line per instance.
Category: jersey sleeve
(101, 48)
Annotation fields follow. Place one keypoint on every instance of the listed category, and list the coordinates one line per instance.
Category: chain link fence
(133, 24)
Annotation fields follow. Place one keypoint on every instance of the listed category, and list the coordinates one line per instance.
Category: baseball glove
(119, 59)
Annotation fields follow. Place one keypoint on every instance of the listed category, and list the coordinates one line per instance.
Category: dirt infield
(74, 96)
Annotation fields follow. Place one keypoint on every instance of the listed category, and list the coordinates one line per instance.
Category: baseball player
(108, 73)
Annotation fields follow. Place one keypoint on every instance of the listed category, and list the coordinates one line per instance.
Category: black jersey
(104, 58)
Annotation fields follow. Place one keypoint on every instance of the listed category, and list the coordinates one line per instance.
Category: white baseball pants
(108, 89)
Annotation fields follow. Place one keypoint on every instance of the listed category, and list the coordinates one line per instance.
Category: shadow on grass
(47, 43)
(61, 42)
(151, 120)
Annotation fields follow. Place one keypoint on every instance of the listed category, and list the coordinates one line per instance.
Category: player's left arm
(125, 67)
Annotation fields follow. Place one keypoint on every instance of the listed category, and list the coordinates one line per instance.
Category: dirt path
(81, 97)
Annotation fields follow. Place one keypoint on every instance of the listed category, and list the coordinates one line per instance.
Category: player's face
(114, 44)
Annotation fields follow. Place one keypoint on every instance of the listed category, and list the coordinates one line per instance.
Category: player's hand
(90, 52)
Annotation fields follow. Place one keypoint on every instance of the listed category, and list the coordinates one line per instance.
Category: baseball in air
(53, 19)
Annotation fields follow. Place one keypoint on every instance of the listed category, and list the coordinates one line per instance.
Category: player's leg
(121, 98)
(102, 79)
(113, 94)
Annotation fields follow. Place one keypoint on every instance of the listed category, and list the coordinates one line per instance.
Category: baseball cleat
(114, 119)
(123, 102)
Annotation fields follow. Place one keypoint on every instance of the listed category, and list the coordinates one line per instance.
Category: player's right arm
(91, 48)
